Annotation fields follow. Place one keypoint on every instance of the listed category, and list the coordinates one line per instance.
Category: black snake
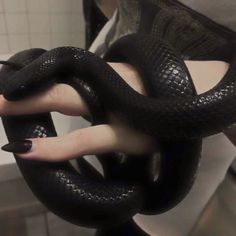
(172, 112)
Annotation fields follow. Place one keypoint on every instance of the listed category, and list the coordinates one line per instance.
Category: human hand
(101, 138)
(62, 98)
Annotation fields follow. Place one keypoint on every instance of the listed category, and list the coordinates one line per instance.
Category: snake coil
(173, 113)
(92, 201)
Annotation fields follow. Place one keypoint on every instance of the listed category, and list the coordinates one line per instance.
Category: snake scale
(172, 112)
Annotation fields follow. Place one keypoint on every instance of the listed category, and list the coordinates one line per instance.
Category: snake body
(94, 202)
(173, 113)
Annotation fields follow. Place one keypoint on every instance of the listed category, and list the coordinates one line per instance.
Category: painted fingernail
(20, 146)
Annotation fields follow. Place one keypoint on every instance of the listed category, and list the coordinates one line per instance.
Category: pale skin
(102, 138)
(111, 137)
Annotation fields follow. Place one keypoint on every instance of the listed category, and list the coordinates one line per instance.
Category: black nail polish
(20, 146)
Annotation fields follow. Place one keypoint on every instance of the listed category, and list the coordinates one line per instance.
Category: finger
(93, 140)
(59, 97)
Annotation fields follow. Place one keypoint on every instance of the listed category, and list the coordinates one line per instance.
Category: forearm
(205, 75)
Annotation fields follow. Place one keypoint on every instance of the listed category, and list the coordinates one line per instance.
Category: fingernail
(20, 146)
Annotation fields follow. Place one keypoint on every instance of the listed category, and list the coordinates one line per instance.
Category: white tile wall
(13, 6)
(4, 45)
(18, 42)
(77, 6)
(40, 23)
(77, 39)
(40, 40)
(75, 19)
(60, 6)
(2, 24)
(38, 6)
(59, 39)
(1, 7)
(61, 23)
(17, 23)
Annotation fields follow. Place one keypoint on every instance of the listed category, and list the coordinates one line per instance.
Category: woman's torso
(218, 152)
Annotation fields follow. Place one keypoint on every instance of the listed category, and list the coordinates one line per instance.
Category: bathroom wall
(40, 23)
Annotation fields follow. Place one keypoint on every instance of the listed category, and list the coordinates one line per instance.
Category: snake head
(16, 94)
(6, 71)
(12, 85)
(11, 88)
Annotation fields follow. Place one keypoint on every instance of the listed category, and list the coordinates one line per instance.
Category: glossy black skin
(203, 114)
(89, 199)
(84, 200)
